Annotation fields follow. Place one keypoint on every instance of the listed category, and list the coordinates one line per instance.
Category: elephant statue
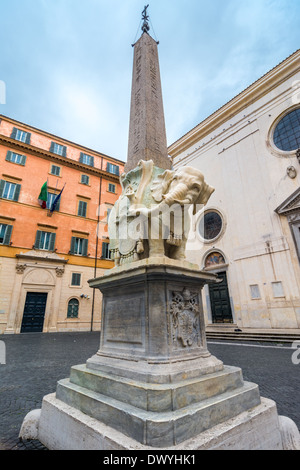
(151, 217)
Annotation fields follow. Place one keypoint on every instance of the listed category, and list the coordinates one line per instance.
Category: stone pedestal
(153, 383)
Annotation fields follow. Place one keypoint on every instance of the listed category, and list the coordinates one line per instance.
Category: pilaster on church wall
(8, 279)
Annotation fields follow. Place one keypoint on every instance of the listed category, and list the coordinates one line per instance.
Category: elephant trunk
(177, 194)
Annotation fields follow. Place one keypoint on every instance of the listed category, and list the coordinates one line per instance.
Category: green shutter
(73, 241)
(79, 208)
(81, 157)
(82, 206)
(37, 239)
(7, 235)
(103, 249)
(52, 241)
(85, 179)
(2, 183)
(14, 133)
(17, 192)
(28, 137)
(8, 155)
(52, 147)
(92, 160)
(23, 160)
(64, 151)
(84, 246)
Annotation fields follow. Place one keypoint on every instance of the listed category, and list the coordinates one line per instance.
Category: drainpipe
(96, 253)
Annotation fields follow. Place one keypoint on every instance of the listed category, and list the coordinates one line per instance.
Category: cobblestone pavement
(36, 361)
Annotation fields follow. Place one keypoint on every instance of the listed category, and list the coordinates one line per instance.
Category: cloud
(67, 65)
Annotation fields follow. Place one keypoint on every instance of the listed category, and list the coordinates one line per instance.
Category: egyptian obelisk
(147, 131)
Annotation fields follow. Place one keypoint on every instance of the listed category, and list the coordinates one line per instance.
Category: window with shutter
(111, 188)
(86, 159)
(114, 169)
(85, 179)
(9, 190)
(15, 158)
(20, 135)
(79, 246)
(82, 208)
(5, 234)
(45, 240)
(76, 279)
(105, 250)
(50, 199)
(58, 149)
(55, 170)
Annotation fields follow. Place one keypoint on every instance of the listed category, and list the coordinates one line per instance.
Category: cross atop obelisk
(147, 132)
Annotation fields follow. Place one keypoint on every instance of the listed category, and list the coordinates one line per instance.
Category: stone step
(159, 429)
(263, 337)
(157, 397)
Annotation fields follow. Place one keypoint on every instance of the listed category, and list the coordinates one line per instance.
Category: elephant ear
(160, 185)
(204, 196)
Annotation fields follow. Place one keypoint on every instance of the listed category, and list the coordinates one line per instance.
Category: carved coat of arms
(184, 310)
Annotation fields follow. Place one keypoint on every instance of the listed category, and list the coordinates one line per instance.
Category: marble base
(63, 427)
(153, 384)
(158, 415)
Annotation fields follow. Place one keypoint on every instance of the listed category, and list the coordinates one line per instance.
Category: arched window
(287, 132)
(73, 308)
(214, 259)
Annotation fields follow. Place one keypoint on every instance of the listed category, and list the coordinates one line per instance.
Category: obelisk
(147, 131)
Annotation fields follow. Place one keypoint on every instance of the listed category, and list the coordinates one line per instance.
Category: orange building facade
(48, 254)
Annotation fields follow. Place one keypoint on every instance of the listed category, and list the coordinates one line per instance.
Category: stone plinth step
(159, 429)
(157, 397)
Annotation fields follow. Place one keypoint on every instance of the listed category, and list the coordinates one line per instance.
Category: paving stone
(36, 361)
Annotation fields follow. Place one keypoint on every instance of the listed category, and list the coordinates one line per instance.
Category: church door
(219, 300)
(34, 312)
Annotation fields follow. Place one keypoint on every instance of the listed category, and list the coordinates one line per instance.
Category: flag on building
(43, 196)
(55, 201)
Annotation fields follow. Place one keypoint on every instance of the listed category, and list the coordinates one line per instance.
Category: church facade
(249, 232)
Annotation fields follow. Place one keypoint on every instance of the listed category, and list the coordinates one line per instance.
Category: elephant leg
(156, 240)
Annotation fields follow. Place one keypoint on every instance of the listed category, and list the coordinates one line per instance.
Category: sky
(66, 65)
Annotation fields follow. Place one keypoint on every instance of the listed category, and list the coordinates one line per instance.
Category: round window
(287, 132)
(210, 225)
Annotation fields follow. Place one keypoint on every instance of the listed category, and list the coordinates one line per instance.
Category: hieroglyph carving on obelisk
(147, 132)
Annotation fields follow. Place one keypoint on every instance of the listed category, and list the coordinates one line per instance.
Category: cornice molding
(254, 92)
(290, 205)
(64, 161)
(58, 139)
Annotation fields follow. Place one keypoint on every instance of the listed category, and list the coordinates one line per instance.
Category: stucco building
(249, 233)
(48, 254)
